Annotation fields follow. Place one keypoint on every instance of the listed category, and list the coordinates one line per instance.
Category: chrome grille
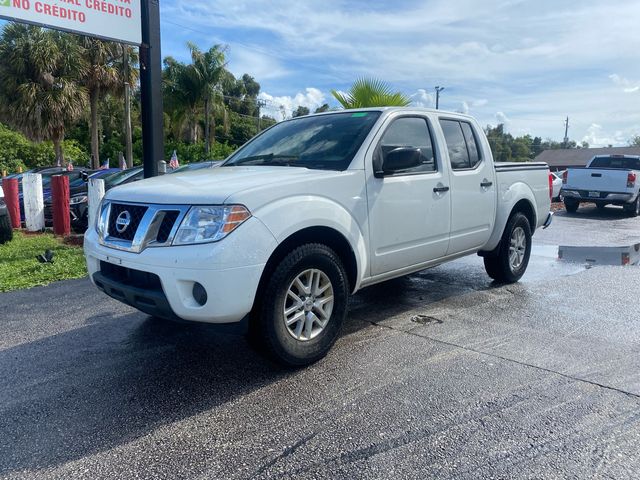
(150, 225)
(136, 212)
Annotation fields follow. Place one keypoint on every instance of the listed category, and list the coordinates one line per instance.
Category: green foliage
(195, 152)
(507, 148)
(39, 90)
(301, 111)
(370, 93)
(635, 141)
(17, 151)
(20, 269)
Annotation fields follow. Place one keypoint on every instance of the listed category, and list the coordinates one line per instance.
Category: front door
(473, 189)
(409, 210)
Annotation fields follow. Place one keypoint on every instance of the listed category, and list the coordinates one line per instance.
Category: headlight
(78, 199)
(102, 219)
(210, 224)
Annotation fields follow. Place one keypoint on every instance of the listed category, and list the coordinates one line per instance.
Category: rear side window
(615, 162)
(410, 132)
(462, 144)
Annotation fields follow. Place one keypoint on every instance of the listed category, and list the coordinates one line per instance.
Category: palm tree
(370, 93)
(208, 68)
(102, 76)
(39, 94)
(183, 92)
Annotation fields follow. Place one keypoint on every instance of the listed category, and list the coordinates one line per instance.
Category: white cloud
(502, 118)
(423, 99)
(312, 98)
(539, 61)
(628, 85)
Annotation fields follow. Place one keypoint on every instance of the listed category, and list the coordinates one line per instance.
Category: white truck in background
(606, 180)
(309, 212)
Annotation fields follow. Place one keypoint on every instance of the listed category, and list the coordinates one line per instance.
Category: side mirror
(85, 176)
(401, 158)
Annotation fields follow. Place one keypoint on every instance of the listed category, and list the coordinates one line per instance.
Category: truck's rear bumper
(583, 195)
(548, 220)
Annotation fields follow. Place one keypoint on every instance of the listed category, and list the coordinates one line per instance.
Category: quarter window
(462, 144)
(410, 132)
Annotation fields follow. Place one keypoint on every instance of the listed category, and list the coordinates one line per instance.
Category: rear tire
(634, 209)
(571, 205)
(303, 306)
(509, 261)
(6, 232)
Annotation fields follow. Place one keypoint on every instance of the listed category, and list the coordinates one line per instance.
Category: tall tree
(208, 68)
(367, 92)
(39, 93)
(102, 76)
(301, 111)
(183, 93)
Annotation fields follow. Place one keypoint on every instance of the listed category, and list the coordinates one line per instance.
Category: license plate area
(594, 194)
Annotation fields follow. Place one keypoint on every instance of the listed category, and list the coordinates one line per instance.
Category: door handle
(440, 189)
(486, 184)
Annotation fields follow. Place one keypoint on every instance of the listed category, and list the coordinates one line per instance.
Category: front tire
(303, 306)
(6, 232)
(509, 261)
(571, 205)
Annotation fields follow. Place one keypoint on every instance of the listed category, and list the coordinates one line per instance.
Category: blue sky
(527, 64)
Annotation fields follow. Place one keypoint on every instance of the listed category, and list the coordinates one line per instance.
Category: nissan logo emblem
(122, 221)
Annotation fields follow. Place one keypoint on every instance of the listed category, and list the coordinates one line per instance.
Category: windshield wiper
(268, 159)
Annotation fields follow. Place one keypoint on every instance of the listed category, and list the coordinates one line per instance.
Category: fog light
(199, 294)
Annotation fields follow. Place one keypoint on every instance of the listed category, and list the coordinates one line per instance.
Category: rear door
(473, 186)
(409, 211)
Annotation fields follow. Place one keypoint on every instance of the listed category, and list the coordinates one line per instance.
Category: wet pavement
(441, 374)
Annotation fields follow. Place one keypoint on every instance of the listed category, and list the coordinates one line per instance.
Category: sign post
(151, 88)
(135, 22)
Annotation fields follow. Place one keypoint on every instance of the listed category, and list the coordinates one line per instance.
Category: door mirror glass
(402, 158)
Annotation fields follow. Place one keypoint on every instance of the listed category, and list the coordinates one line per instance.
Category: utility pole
(127, 107)
(260, 103)
(566, 132)
(438, 90)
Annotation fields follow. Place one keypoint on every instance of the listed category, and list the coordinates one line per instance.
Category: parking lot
(441, 374)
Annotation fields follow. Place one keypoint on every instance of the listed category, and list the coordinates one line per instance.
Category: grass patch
(20, 269)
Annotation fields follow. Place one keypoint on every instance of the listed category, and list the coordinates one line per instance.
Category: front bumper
(229, 271)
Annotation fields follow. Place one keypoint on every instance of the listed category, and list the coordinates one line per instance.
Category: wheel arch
(328, 236)
(525, 205)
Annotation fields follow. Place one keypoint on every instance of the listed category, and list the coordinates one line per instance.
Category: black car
(79, 195)
(6, 233)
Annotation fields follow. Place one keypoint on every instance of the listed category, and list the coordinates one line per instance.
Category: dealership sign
(117, 20)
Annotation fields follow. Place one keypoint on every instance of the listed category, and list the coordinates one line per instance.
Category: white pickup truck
(309, 212)
(607, 179)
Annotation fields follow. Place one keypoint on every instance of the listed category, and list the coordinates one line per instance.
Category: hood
(211, 186)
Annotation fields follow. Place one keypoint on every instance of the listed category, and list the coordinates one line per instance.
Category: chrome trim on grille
(148, 228)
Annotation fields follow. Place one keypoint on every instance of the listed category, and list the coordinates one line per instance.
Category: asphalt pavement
(441, 374)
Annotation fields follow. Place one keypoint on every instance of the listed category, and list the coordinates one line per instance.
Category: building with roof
(561, 159)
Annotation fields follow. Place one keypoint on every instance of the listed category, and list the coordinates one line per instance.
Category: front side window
(410, 132)
(324, 142)
(462, 144)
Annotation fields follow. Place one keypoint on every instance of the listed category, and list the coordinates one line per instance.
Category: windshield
(324, 141)
(119, 177)
(616, 162)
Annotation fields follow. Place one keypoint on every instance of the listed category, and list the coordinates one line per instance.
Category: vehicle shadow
(119, 377)
(93, 388)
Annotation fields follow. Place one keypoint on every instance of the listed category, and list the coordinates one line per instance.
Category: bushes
(16, 151)
(189, 153)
